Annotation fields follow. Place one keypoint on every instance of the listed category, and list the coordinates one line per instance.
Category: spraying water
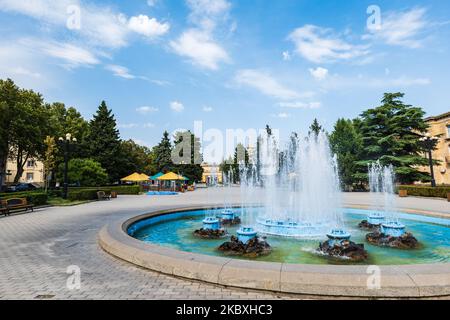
(382, 188)
(300, 185)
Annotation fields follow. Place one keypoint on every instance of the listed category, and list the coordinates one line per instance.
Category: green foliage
(104, 143)
(346, 143)
(137, 158)
(187, 150)
(315, 128)
(81, 194)
(389, 133)
(86, 172)
(420, 191)
(35, 197)
(232, 165)
(163, 152)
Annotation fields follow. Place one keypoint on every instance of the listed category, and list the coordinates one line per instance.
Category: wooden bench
(103, 196)
(17, 204)
(3, 209)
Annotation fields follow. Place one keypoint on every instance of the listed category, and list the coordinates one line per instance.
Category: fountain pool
(175, 231)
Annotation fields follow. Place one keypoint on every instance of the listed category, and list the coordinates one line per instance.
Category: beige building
(33, 172)
(440, 126)
(212, 174)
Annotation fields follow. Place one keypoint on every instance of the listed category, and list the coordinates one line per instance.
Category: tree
(188, 151)
(137, 158)
(163, 154)
(103, 142)
(29, 128)
(49, 158)
(85, 172)
(315, 128)
(346, 143)
(9, 105)
(389, 133)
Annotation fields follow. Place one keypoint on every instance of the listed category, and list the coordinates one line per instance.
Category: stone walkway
(37, 248)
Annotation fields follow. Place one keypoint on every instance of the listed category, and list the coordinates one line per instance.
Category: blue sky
(163, 64)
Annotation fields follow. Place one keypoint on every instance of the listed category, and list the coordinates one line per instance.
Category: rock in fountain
(393, 235)
(229, 218)
(373, 223)
(246, 244)
(211, 229)
(339, 246)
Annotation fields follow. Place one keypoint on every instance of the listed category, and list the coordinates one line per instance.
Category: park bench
(3, 209)
(17, 204)
(103, 196)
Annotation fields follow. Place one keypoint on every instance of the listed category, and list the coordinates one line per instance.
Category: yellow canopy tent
(135, 177)
(171, 177)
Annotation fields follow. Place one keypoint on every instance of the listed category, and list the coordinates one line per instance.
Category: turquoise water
(175, 231)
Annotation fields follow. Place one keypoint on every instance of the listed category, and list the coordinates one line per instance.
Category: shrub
(36, 198)
(80, 194)
(85, 172)
(422, 191)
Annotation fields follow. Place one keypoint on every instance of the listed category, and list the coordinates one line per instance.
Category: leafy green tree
(84, 172)
(389, 133)
(9, 106)
(103, 142)
(49, 158)
(346, 143)
(137, 158)
(188, 151)
(163, 154)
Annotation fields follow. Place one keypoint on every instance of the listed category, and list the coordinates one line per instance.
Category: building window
(30, 176)
(31, 163)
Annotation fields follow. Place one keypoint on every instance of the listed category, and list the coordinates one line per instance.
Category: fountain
(211, 229)
(228, 216)
(385, 228)
(301, 184)
(339, 246)
(247, 244)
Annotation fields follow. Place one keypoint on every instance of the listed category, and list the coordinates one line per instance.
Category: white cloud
(207, 109)
(149, 125)
(319, 73)
(127, 126)
(199, 47)
(72, 55)
(286, 56)
(320, 45)
(300, 105)
(176, 106)
(206, 13)
(390, 82)
(151, 3)
(265, 84)
(281, 115)
(120, 71)
(401, 28)
(146, 109)
(149, 27)
(161, 83)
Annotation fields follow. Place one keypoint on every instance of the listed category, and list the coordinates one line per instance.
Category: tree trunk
(3, 160)
(21, 161)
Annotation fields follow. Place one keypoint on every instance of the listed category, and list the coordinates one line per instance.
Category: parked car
(22, 187)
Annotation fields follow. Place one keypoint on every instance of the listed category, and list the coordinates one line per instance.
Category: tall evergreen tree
(163, 154)
(104, 142)
(315, 128)
(389, 133)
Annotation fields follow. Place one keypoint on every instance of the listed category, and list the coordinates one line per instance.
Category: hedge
(77, 194)
(36, 198)
(421, 191)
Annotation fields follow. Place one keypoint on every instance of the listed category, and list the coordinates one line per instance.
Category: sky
(163, 64)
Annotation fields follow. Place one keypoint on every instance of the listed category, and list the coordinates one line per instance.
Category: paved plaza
(37, 248)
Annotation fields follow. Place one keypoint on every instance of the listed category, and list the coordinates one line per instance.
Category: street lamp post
(429, 144)
(66, 142)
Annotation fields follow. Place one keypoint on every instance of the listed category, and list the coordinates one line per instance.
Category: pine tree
(163, 151)
(315, 128)
(390, 134)
(103, 142)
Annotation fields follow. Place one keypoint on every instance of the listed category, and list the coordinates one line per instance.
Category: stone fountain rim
(404, 281)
